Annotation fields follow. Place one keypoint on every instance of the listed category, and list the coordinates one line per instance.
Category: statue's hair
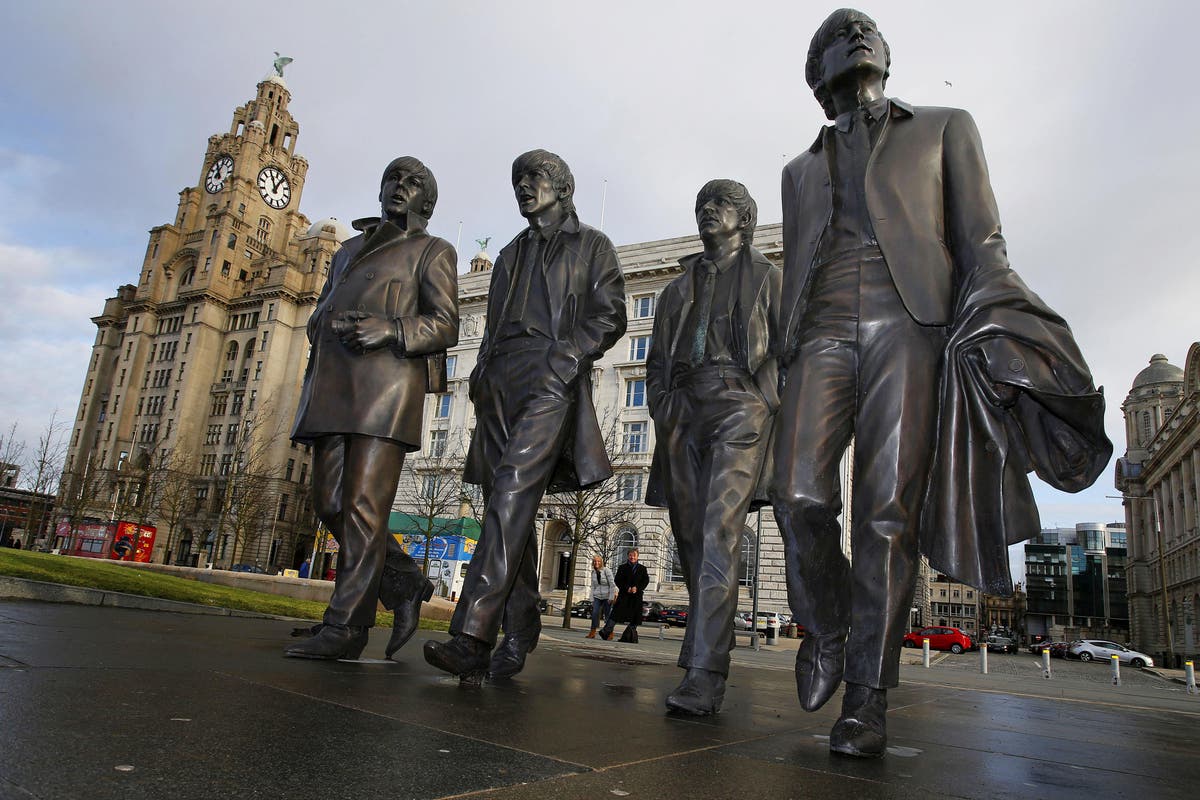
(739, 195)
(414, 165)
(816, 50)
(554, 168)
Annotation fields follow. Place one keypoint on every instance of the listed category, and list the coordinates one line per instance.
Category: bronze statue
(895, 265)
(556, 304)
(379, 334)
(712, 387)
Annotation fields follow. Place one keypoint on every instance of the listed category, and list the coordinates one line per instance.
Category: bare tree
(174, 494)
(431, 490)
(593, 516)
(43, 468)
(12, 456)
(81, 492)
(246, 495)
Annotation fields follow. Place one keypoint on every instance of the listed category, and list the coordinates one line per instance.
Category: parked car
(741, 621)
(952, 639)
(1001, 644)
(674, 615)
(582, 609)
(770, 619)
(254, 568)
(1102, 650)
(652, 611)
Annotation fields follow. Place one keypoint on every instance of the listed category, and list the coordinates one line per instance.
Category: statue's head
(407, 186)
(540, 180)
(725, 207)
(847, 40)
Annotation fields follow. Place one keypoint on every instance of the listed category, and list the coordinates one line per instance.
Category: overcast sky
(106, 108)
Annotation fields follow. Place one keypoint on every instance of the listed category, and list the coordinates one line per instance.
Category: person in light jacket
(604, 591)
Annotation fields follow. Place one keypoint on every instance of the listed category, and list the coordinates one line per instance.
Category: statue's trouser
(523, 415)
(715, 426)
(354, 484)
(865, 369)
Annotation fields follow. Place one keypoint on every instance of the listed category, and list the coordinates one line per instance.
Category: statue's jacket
(1016, 396)
(938, 227)
(755, 317)
(411, 279)
(586, 293)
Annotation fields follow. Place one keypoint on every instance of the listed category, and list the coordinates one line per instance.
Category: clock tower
(196, 369)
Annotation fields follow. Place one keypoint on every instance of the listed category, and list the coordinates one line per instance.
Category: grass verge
(115, 577)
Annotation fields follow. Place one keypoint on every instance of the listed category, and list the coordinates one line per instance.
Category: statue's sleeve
(435, 327)
(972, 218)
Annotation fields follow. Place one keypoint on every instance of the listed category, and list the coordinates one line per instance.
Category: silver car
(1102, 650)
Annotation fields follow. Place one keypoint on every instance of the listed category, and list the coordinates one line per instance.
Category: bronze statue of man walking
(903, 326)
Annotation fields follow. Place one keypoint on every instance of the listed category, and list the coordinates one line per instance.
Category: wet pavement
(118, 703)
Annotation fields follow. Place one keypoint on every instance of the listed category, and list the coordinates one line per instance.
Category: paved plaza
(116, 703)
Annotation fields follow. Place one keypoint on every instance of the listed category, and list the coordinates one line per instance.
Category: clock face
(218, 173)
(274, 187)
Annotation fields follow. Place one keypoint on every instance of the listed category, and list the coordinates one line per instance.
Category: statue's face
(535, 193)
(854, 46)
(402, 192)
(717, 217)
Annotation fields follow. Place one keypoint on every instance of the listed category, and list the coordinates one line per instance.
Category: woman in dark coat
(632, 579)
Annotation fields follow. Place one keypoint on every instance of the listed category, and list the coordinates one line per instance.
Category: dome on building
(1159, 371)
(332, 225)
(482, 254)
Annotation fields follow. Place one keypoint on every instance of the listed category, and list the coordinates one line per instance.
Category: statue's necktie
(703, 312)
(523, 280)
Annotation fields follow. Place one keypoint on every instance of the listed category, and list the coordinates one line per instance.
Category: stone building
(196, 368)
(953, 604)
(1159, 477)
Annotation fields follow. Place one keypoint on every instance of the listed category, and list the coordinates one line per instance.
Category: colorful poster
(133, 542)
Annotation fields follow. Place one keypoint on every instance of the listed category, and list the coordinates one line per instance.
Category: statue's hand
(361, 331)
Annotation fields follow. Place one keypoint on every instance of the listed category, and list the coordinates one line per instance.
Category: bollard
(772, 632)
(1046, 663)
(925, 652)
(983, 658)
(1191, 677)
(1116, 670)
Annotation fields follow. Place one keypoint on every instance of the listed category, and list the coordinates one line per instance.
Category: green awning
(400, 524)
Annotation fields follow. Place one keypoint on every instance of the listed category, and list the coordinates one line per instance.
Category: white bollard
(925, 652)
(1116, 670)
(983, 658)
(1190, 670)
(1046, 662)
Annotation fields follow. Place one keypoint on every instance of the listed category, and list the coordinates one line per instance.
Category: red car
(951, 639)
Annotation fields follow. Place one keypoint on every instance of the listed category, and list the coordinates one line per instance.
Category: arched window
(188, 276)
(250, 348)
(746, 565)
(232, 354)
(674, 565)
(1147, 429)
(264, 229)
(625, 540)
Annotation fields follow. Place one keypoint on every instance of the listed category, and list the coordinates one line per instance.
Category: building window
(626, 540)
(746, 565)
(629, 487)
(643, 306)
(431, 485)
(635, 392)
(231, 242)
(674, 565)
(291, 466)
(437, 443)
(451, 366)
(635, 439)
(441, 409)
(638, 347)
(283, 507)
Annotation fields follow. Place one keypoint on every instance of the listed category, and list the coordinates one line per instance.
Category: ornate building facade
(196, 368)
(1159, 477)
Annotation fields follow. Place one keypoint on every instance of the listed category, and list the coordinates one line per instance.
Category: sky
(106, 108)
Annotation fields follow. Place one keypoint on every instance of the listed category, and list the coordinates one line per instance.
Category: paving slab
(100, 702)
